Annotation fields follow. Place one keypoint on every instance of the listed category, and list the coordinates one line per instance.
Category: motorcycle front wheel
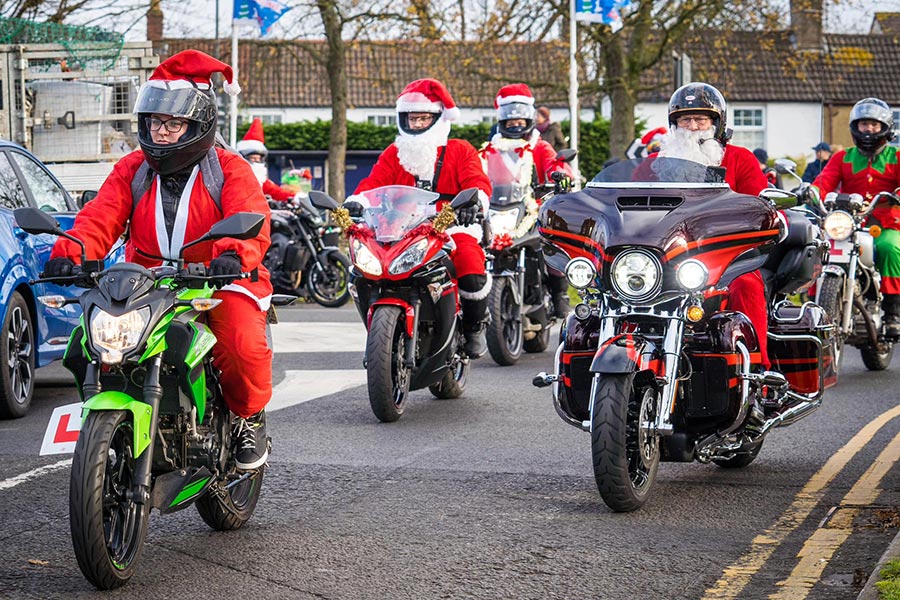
(625, 456)
(387, 370)
(108, 527)
(330, 287)
(504, 332)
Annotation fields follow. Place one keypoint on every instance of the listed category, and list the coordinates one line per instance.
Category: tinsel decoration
(444, 219)
(342, 219)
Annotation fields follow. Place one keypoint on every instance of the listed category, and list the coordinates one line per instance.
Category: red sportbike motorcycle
(405, 289)
(649, 362)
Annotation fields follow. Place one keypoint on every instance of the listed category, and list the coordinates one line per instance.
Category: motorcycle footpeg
(772, 379)
(542, 380)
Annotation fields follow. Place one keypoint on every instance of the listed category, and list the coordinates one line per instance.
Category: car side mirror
(86, 196)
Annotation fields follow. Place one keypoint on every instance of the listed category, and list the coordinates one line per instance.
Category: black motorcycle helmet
(511, 111)
(701, 98)
(875, 110)
(176, 99)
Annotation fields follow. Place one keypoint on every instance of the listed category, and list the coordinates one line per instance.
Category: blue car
(33, 335)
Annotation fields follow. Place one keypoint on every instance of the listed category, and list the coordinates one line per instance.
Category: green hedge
(593, 138)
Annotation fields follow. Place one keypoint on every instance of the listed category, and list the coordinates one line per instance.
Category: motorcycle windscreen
(392, 211)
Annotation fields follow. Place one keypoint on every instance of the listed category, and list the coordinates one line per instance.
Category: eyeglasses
(420, 119)
(686, 120)
(172, 125)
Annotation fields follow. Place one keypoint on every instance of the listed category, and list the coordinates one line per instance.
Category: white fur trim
(510, 99)
(262, 303)
(251, 147)
(232, 89)
(414, 104)
(481, 294)
(451, 114)
(474, 230)
(175, 84)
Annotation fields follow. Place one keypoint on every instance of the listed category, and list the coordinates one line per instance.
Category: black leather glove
(563, 182)
(466, 216)
(58, 267)
(354, 208)
(227, 263)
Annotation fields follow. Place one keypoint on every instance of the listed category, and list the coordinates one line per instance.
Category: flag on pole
(263, 12)
(601, 11)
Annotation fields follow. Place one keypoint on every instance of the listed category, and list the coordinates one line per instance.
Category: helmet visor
(188, 102)
(871, 110)
(515, 110)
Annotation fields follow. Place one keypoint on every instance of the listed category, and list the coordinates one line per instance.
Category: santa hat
(653, 134)
(194, 68)
(427, 95)
(517, 92)
(254, 141)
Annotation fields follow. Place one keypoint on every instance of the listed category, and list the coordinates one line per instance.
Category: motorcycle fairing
(627, 353)
(141, 412)
(387, 253)
(175, 490)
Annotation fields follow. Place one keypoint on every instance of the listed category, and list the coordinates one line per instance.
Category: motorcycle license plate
(840, 251)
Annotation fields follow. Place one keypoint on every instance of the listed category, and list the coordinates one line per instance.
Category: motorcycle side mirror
(465, 199)
(785, 166)
(567, 155)
(781, 199)
(33, 220)
(239, 226)
(322, 200)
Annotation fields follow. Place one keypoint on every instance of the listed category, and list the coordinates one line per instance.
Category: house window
(749, 128)
(384, 120)
(270, 119)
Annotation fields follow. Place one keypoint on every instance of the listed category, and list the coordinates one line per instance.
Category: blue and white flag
(264, 12)
(601, 11)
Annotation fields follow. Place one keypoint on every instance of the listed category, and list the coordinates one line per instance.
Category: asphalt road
(487, 496)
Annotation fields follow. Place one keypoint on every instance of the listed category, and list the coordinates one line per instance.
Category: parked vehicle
(34, 335)
(300, 261)
(156, 433)
(648, 363)
(406, 294)
(849, 288)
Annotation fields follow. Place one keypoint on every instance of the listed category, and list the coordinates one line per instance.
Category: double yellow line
(820, 547)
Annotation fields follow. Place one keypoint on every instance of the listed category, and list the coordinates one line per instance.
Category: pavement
(870, 592)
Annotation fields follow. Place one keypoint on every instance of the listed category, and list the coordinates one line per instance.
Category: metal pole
(573, 91)
(217, 20)
(232, 111)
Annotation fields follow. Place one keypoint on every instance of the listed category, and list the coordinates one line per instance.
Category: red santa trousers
(242, 353)
(468, 258)
(747, 294)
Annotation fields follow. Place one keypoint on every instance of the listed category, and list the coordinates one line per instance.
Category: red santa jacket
(855, 173)
(742, 172)
(100, 223)
(276, 192)
(542, 153)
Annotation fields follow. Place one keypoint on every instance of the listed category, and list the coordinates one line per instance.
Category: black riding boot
(559, 296)
(891, 306)
(473, 292)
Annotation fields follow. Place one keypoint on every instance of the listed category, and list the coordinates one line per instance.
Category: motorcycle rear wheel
(504, 332)
(235, 507)
(331, 288)
(386, 369)
(874, 360)
(453, 384)
(108, 529)
(625, 458)
(539, 342)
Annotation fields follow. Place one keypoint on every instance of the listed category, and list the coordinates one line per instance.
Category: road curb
(870, 592)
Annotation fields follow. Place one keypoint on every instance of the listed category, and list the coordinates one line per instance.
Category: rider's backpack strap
(210, 168)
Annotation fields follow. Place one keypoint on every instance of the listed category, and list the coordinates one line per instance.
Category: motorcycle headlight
(364, 259)
(692, 274)
(636, 275)
(410, 259)
(504, 221)
(117, 335)
(580, 273)
(839, 225)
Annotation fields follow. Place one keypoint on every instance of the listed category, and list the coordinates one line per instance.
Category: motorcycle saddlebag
(801, 342)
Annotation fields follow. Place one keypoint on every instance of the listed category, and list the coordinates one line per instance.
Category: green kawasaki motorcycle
(156, 432)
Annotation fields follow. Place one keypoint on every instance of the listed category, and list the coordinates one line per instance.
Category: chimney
(155, 21)
(806, 25)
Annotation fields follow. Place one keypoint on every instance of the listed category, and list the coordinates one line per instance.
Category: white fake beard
(261, 172)
(686, 145)
(418, 153)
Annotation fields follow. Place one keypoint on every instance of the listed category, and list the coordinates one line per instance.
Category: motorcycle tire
(17, 356)
(235, 508)
(874, 360)
(625, 458)
(330, 293)
(453, 384)
(743, 458)
(539, 342)
(831, 294)
(387, 373)
(108, 529)
(504, 332)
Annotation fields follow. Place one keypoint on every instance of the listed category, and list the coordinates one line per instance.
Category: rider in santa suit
(253, 147)
(176, 112)
(516, 154)
(424, 157)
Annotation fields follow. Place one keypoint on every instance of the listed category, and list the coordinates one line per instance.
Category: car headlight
(117, 335)
(580, 273)
(504, 221)
(410, 259)
(364, 259)
(839, 225)
(692, 274)
(636, 275)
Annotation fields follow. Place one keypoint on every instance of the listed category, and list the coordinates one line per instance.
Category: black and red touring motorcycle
(651, 362)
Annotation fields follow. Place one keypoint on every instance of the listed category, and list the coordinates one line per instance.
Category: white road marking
(318, 337)
(32, 474)
(298, 387)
